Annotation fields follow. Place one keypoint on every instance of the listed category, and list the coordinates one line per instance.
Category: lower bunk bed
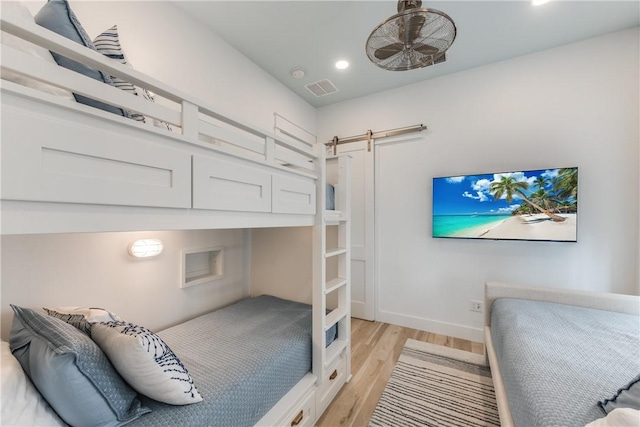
(250, 362)
(563, 357)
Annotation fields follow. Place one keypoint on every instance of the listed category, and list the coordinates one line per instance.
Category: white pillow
(619, 417)
(22, 404)
(19, 11)
(146, 362)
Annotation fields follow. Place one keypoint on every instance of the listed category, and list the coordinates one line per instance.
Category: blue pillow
(627, 397)
(71, 371)
(58, 17)
(331, 198)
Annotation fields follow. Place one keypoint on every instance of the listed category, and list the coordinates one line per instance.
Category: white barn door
(362, 229)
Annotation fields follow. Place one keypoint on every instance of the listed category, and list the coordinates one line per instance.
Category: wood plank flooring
(375, 348)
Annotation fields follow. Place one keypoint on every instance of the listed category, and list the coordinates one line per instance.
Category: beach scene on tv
(527, 205)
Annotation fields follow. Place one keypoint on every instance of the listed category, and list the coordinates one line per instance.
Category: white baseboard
(442, 328)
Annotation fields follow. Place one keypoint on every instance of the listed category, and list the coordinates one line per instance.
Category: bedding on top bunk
(558, 361)
(242, 358)
(331, 198)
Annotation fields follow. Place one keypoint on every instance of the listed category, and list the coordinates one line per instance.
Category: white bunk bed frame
(68, 167)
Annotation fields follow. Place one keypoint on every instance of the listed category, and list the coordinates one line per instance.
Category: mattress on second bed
(242, 358)
(558, 361)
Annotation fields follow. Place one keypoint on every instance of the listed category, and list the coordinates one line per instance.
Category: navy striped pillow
(108, 44)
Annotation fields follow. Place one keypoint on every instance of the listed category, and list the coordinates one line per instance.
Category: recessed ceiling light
(342, 64)
(539, 2)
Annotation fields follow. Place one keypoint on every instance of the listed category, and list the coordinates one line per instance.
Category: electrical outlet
(475, 305)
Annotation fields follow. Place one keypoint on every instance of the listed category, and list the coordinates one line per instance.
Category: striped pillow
(108, 44)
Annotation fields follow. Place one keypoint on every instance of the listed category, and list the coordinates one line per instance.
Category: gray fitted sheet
(558, 361)
(242, 358)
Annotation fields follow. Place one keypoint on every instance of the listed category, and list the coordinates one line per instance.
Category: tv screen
(521, 205)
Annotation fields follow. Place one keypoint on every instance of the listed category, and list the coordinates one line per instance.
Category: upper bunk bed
(72, 167)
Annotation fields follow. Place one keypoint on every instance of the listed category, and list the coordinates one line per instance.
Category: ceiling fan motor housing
(408, 4)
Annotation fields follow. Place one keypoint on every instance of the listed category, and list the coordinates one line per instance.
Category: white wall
(161, 40)
(95, 270)
(559, 108)
(281, 263)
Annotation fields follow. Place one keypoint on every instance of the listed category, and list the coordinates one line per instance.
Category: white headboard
(599, 300)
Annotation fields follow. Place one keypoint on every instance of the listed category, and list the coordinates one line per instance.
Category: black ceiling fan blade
(425, 49)
(388, 51)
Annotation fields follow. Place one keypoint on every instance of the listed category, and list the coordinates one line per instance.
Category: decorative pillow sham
(22, 405)
(58, 17)
(627, 397)
(20, 12)
(108, 44)
(146, 362)
(619, 417)
(82, 318)
(71, 372)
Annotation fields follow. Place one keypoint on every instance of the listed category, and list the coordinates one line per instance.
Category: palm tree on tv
(542, 182)
(509, 187)
(565, 184)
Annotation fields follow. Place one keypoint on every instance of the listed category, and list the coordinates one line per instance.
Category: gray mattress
(242, 358)
(558, 361)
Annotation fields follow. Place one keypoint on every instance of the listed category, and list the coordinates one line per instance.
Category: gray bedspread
(242, 358)
(558, 361)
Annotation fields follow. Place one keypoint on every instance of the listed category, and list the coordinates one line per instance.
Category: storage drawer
(222, 185)
(303, 415)
(335, 378)
(293, 195)
(99, 164)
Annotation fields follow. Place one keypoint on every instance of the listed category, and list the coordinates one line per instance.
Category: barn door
(362, 229)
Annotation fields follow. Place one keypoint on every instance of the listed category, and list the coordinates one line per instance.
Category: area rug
(433, 385)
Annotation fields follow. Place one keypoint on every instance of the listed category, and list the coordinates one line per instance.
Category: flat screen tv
(521, 205)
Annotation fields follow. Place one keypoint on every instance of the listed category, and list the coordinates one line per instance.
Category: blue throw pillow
(58, 17)
(627, 397)
(71, 371)
(331, 198)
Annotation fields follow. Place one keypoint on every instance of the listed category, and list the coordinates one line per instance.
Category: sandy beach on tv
(526, 227)
(522, 205)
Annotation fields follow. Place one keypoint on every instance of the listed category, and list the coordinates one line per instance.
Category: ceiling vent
(321, 88)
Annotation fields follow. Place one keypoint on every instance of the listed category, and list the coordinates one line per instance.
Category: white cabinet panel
(96, 165)
(335, 379)
(222, 185)
(293, 195)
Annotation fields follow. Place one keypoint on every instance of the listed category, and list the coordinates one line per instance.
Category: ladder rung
(334, 351)
(335, 251)
(334, 217)
(334, 317)
(334, 284)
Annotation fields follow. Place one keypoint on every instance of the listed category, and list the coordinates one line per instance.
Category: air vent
(321, 88)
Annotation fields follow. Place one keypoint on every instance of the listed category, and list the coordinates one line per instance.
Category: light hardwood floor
(375, 348)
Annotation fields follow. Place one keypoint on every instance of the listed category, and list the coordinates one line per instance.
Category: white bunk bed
(69, 168)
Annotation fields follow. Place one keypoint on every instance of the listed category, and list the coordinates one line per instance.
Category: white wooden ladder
(332, 276)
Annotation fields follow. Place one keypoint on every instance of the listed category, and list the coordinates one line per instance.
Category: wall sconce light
(145, 248)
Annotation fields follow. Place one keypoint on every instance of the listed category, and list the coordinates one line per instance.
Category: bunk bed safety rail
(191, 120)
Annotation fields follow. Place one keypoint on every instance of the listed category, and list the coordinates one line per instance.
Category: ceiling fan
(415, 37)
